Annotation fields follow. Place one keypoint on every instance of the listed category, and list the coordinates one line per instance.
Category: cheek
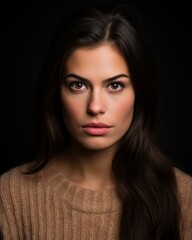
(72, 107)
(124, 110)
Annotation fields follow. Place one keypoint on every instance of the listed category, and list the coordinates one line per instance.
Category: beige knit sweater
(47, 206)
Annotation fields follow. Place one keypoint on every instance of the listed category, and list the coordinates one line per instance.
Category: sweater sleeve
(4, 226)
(5, 233)
(8, 220)
(184, 182)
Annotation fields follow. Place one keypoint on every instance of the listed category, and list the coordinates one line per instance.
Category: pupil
(115, 85)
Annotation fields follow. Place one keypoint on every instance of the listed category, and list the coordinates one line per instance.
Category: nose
(96, 103)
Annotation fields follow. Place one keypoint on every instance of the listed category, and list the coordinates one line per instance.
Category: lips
(96, 129)
(96, 125)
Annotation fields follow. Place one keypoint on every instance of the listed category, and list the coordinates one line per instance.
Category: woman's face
(97, 96)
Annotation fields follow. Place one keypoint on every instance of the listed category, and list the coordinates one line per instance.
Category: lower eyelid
(121, 85)
(71, 85)
(75, 83)
(73, 88)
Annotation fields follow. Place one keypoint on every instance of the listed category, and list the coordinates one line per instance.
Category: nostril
(95, 105)
(95, 109)
(94, 112)
(90, 112)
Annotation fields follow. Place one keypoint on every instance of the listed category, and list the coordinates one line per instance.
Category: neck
(90, 168)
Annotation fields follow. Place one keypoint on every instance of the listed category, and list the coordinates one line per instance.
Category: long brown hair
(145, 178)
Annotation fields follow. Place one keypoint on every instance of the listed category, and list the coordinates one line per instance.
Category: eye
(116, 86)
(77, 86)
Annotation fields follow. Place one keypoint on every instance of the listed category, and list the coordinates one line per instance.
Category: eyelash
(75, 83)
(120, 84)
(71, 85)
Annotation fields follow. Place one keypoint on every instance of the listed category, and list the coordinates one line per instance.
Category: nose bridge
(96, 101)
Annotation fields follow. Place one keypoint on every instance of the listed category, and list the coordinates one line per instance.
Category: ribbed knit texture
(47, 206)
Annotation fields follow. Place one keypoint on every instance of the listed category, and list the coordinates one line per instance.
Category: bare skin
(98, 103)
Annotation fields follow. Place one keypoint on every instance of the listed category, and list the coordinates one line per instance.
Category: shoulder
(17, 188)
(15, 184)
(184, 185)
(19, 192)
(10, 194)
(16, 176)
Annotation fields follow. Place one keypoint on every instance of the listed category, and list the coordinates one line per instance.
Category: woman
(97, 171)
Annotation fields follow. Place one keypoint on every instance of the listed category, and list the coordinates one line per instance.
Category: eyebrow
(87, 80)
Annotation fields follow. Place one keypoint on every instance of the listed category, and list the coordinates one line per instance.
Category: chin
(97, 144)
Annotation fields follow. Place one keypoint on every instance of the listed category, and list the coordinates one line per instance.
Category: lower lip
(96, 131)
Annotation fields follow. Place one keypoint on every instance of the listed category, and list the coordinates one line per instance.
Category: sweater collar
(77, 197)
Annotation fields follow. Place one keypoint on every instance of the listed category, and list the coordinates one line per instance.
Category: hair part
(145, 178)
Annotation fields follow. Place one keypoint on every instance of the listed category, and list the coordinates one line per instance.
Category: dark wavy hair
(145, 178)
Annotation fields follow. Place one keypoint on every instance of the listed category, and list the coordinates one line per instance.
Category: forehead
(104, 60)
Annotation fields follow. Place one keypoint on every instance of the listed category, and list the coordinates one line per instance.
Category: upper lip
(96, 125)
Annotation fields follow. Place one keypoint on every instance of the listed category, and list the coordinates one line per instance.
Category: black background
(27, 29)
